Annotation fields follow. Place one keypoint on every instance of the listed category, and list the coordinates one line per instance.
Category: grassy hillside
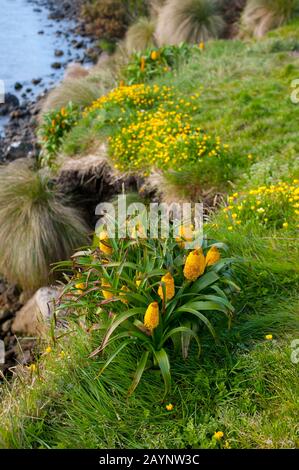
(246, 385)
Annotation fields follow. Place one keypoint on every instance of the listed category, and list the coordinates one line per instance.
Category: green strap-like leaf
(204, 282)
(117, 322)
(199, 315)
(163, 362)
(139, 371)
(183, 329)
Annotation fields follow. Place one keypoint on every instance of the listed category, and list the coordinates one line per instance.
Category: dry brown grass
(140, 35)
(261, 16)
(189, 21)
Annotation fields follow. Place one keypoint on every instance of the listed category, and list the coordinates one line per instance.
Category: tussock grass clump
(189, 21)
(36, 228)
(79, 91)
(260, 16)
(140, 35)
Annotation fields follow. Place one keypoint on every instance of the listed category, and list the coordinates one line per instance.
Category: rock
(56, 15)
(18, 86)
(6, 326)
(58, 53)
(11, 102)
(36, 81)
(34, 318)
(56, 65)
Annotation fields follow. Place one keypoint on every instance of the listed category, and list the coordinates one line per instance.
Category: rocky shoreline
(21, 108)
(19, 141)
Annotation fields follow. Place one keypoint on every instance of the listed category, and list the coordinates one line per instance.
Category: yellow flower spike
(106, 293)
(218, 435)
(269, 337)
(213, 256)
(169, 407)
(195, 265)
(142, 64)
(123, 297)
(185, 235)
(104, 243)
(169, 287)
(151, 317)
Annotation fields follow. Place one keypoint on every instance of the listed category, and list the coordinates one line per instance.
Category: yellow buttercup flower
(269, 337)
(104, 243)
(48, 350)
(218, 435)
(201, 45)
(195, 265)
(32, 368)
(169, 407)
(213, 256)
(151, 318)
(154, 55)
(169, 287)
(106, 293)
(80, 286)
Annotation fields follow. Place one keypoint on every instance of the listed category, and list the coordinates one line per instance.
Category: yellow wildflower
(48, 350)
(106, 293)
(169, 287)
(218, 435)
(213, 256)
(285, 225)
(151, 318)
(154, 55)
(32, 368)
(201, 45)
(169, 407)
(269, 337)
(104, 243)
(80, 286)
(195, 265)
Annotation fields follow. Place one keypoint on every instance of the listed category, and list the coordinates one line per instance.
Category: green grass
(245, 386)
(245, 91)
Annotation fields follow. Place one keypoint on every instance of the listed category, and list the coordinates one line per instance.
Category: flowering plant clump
(163, 139)
(124, 98)
(154, 62)
(152, 293)
(55, 126)
(274, 206)
(153, 129)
